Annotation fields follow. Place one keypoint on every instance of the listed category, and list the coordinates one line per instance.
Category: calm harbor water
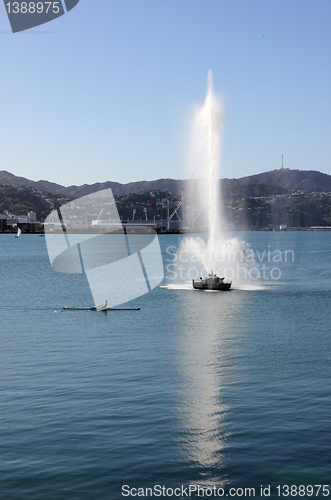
(225, 390)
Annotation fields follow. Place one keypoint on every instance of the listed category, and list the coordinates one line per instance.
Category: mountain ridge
(284, 179)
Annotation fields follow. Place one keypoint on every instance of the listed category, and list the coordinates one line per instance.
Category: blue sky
(106, 91)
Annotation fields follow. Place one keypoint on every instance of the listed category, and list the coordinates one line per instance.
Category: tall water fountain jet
(204, 197)
(215, 252)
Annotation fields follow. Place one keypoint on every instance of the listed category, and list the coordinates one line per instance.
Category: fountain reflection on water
(204, 414)
(206, 349)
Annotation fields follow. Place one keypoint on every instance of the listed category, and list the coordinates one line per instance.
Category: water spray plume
(217, 253)
(204, 196)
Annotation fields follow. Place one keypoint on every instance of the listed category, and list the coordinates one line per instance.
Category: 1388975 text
(33, 7)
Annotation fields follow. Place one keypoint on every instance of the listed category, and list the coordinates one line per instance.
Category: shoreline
(41, 232)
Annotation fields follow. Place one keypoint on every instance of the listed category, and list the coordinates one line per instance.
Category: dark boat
(212, 282)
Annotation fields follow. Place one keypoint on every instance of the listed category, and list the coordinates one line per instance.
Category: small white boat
(18, 233)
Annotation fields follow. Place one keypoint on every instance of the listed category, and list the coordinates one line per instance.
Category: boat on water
(212, 282)
(102, 307)
(18, 233)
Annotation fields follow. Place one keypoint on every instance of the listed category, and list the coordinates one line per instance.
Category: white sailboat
(18, 233)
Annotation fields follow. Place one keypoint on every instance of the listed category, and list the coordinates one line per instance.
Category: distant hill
(12, 180)
(292, 180)
(76, 191)
(273, 182)
(171, 185)
(246, 201)
(21, 200)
